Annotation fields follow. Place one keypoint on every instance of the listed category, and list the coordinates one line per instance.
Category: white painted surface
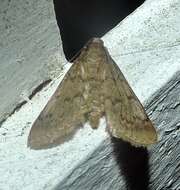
(145, 46)
(30, 49)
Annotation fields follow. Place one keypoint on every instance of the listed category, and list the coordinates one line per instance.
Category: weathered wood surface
(164, 157)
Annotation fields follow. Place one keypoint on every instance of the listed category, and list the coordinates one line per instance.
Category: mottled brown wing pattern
(126, 117)
(61, 117)
(93, 86)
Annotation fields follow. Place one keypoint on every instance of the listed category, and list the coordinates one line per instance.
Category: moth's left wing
(125, 114)
(62, 115)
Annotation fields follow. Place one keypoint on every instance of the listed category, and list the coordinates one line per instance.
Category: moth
(93, 87)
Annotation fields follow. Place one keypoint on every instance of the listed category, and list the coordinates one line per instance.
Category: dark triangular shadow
(133, 164)
(80, 20)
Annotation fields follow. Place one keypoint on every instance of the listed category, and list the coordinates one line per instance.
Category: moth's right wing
(125, 114)
(63, 114)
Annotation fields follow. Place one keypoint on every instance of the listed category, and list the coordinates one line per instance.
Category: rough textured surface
(29, 49)
(87, 159)
(164, 110)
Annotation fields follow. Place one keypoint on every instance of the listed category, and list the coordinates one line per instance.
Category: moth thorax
(93, 70)
(94, 118)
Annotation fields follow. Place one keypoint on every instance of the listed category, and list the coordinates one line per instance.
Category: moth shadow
(88, 19)
(133, 164)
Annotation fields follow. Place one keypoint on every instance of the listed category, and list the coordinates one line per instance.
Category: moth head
(93, 52)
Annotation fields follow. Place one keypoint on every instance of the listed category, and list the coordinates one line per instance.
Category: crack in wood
(19, 105)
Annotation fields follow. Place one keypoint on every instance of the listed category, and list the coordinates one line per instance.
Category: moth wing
(125, 114)
(62, 116)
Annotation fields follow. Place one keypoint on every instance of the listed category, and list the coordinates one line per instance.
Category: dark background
(80, 20)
